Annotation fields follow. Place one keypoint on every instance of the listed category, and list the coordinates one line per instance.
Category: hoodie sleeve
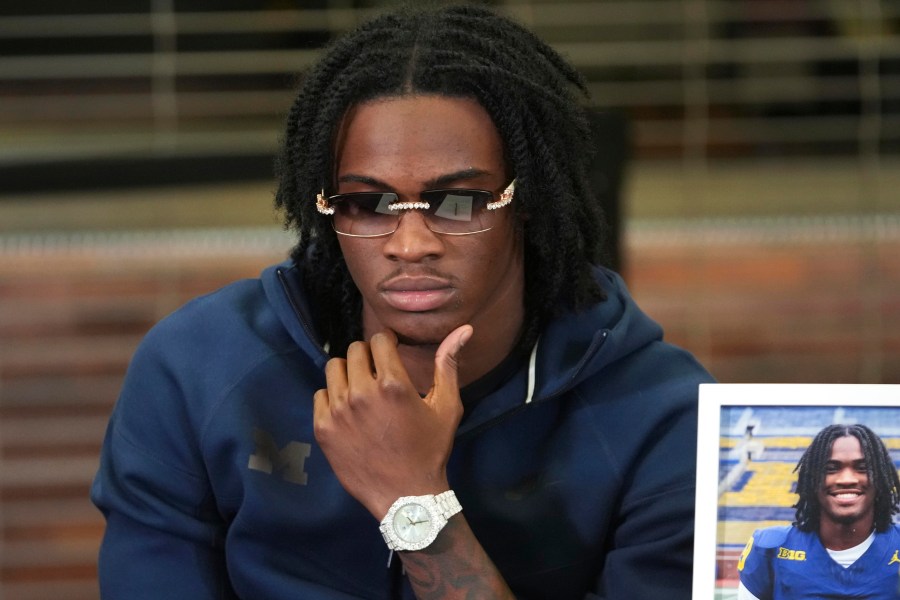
(651, 433)
(164, 537)
(653, 553)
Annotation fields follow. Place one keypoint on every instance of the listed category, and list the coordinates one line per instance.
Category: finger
(360, 367)
(389, 368)
(336, 380)
(446, 362)
(336, 374)
(321, 415)
(320, 403)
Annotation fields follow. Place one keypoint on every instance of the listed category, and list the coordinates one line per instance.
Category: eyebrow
(856, 461)
(439, 181)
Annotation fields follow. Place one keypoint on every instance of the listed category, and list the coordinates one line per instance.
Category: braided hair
(879, 467)
(529, 92)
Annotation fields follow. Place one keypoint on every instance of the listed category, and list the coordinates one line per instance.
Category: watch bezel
(392, 537)
(439, 508)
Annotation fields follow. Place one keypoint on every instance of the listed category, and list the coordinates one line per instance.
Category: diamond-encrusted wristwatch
(413, 522)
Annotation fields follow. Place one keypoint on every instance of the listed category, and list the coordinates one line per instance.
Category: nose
(413, 241)
(847, 476)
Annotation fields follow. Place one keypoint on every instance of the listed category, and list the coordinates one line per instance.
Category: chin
(846, 518)
(417, 328)
(422, 334)
(419, 340)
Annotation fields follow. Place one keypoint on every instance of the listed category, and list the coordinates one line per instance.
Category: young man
(441, 395)
(844, 543)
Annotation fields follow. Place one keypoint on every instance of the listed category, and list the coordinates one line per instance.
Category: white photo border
(712, 397)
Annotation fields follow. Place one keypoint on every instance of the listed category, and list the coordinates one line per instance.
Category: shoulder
(230, 317)
(189, 365)
(232, 302)
(757, 566)
(614, 342)
(772, 537)
(636, 341)
(204, 348)
(761, 547)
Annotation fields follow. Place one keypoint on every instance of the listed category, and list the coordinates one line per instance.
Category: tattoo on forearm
(455, 566)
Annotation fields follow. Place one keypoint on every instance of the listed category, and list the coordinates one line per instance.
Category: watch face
(412, 523)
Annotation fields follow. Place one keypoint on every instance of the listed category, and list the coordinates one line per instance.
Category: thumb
(446, 360)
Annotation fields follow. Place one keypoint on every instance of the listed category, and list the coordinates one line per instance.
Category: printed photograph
(798, 489)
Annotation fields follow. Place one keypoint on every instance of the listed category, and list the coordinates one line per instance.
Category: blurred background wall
(749, 155)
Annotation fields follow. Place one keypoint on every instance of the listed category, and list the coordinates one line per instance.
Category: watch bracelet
(448, 504)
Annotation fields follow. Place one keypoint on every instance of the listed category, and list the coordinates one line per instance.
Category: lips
(417, 294)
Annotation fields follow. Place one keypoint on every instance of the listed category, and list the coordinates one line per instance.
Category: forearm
(454, 566)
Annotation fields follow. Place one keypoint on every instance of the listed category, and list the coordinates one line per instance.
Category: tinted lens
(457, 211)
(364, 213)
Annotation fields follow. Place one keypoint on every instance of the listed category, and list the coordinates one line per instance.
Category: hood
(576, 346)
(572, 348)
(284, 291)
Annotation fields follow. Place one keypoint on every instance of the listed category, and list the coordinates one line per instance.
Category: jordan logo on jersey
(894, 558)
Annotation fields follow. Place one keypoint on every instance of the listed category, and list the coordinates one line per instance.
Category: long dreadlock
(879, 467)
(526, 88)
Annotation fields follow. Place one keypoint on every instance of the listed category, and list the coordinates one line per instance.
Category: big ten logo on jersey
(788, 554)
(289, 461)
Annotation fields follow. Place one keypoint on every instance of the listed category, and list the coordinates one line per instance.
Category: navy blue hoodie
(576, 474)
